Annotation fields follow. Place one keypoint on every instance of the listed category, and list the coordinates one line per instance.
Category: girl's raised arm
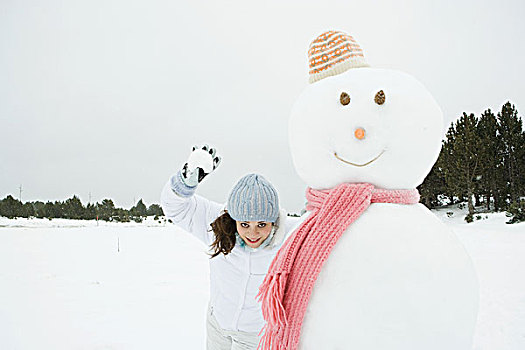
(191, 212)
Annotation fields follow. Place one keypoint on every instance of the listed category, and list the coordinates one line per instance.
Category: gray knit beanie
(253, 198)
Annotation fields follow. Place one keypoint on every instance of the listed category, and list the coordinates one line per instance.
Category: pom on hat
(253, 198)
(332, 53)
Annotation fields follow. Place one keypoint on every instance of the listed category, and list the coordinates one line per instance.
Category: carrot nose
(359, 133)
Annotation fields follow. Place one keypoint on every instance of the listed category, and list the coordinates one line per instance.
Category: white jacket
(234, 278)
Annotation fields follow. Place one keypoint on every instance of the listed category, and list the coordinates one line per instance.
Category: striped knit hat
(332, 53)
(253, 198)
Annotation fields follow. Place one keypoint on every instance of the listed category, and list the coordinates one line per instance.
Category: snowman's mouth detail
(359, 165)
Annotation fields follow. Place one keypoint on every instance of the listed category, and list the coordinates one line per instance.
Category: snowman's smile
(359, 165)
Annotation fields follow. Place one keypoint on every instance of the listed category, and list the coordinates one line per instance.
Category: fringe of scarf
(287, 287)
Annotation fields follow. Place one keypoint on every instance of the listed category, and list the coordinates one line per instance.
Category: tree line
(482, 163)
(73, 208)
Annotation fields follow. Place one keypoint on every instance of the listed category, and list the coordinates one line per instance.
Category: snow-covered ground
(65, 285)
(498, 253)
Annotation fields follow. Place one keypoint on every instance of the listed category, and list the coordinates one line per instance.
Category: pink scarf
(286, 290)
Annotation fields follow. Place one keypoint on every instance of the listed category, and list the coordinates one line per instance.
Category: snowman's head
(365, 125)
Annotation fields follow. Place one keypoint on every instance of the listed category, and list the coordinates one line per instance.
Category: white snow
(497, 250)
(68, 287)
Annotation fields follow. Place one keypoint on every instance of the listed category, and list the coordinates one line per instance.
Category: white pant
(221, 339)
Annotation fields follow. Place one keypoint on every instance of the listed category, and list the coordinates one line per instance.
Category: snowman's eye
(344, 98)
(380, 97)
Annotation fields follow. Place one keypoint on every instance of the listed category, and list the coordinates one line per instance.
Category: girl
(243, 239)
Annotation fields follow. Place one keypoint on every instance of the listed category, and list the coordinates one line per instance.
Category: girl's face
(253, 233)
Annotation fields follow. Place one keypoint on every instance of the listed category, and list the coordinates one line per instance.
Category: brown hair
(224, 228)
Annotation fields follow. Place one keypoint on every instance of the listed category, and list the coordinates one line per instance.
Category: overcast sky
(108, 96)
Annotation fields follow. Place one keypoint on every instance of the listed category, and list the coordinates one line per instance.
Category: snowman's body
(397, 278)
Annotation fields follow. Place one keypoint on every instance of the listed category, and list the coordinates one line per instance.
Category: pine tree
(139, 209)
(510, 128)
(28, 210)
(73, 208)
(106, 209)
(39, 209)
(121, 215)
(434, 185)
(49, 210)
(155, 210)
(11, 207)
(91, 212)
(446, 156)
(461, 161)
(491, 163)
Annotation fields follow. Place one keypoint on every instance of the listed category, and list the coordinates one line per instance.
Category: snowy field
(65, 284)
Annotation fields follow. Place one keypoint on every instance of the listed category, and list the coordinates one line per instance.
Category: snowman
(370, 268)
